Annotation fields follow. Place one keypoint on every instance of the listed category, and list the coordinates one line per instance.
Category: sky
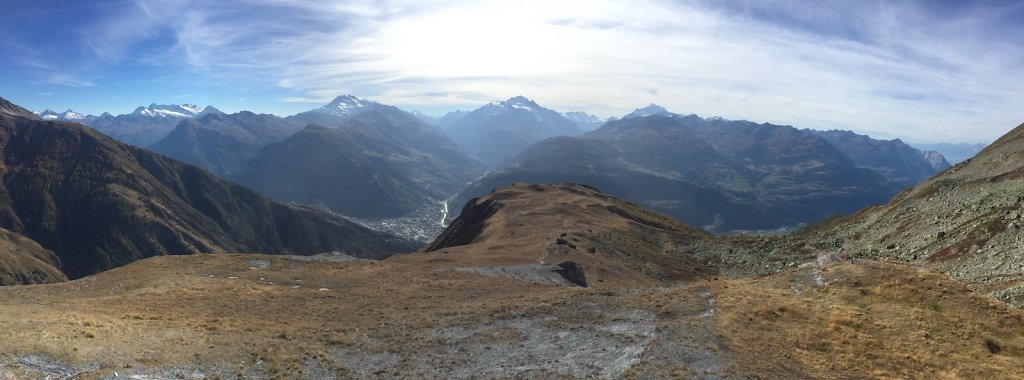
(923, 71)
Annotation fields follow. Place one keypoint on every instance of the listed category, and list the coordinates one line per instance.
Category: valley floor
(255, 316)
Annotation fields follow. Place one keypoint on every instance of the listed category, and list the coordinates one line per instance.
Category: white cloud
(888, 69)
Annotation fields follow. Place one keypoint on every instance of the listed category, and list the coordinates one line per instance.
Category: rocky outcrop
(572, 272)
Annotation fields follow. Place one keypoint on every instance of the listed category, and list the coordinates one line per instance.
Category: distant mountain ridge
(142, 127)
(717, 173)
(652, 109)
(380, 163)
(895, 160)
(585, 121)
(499, 130)
(221, 142)
(954, 153)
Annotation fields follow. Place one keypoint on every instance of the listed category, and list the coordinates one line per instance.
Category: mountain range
(721, 174)
(97, 203)
(142, 127)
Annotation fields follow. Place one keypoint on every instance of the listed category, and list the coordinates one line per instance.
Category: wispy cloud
(65, 79)
(914, 70)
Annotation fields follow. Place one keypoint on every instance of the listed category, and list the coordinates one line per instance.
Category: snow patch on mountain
(68, 115)
(585, 121)
(348, 106)
(186, 111)
(652, 109)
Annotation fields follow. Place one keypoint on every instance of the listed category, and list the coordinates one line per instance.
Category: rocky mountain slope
(497, 131)
(966, 222)
(220, 142)
(714, 173)
(936, 160)
(489, 298)
(98, 204)
(380, 163)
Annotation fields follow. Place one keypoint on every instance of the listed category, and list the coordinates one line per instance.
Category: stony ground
(966, 222)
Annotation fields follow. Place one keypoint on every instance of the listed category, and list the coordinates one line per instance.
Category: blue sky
(923, 71)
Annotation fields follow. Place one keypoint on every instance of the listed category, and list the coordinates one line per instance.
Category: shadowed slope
(23, 261)
(379, 164)
(99, 204)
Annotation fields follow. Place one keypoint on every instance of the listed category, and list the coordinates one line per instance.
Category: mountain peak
(652, 109)
(348, 106)
(520, 100)
(346, 100)
(585, 121)
(210, 110)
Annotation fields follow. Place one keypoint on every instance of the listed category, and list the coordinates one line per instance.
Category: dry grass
(872, 320)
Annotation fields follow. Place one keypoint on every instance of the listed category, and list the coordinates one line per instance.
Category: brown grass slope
(99, 204)
(966, 221)
(23, 261)
(613, 240)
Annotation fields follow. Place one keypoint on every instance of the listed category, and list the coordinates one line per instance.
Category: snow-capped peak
(72, 115)
(169, 110)
(585, 121)
(515, 102)
(66, 115)
(582, 117)
(652, 109)
(348, 106)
